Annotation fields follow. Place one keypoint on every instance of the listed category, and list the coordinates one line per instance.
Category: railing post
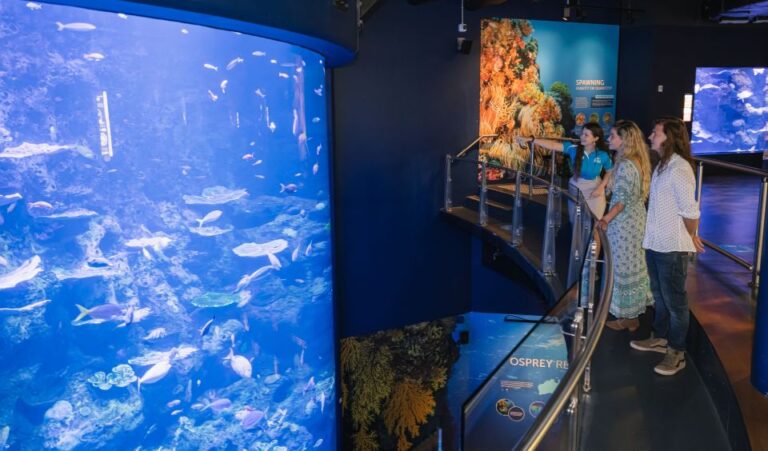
(548, 250)
(530, 180)
(573, 408)
(699, 181)
(483, 194)
(517, 214)
(447, 201)
(577, 248)
(757, 265)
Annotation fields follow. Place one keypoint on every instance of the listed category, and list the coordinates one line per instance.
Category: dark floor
(634, 409)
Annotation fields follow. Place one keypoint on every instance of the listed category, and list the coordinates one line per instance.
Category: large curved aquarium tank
(165, 247)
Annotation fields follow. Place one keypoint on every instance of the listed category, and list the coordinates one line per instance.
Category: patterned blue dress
(631, 285)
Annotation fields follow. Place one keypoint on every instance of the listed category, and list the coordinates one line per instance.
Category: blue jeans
(668, 271)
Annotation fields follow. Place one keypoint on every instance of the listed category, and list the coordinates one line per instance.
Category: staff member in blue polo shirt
(590, 158)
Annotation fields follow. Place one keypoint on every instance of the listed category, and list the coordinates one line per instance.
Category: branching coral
(407, 409)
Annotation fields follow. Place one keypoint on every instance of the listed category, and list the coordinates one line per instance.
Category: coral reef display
(513, 101)
(392, 383)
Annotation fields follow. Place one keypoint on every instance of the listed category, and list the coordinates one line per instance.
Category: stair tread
(492, 203)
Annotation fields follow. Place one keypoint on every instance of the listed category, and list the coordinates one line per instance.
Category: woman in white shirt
(670, 235)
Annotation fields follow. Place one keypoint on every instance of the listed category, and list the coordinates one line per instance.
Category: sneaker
(650, 344)
(673, 362)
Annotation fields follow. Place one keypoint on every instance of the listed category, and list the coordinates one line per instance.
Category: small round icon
(535, 408)
(503, 405)
(516, 413)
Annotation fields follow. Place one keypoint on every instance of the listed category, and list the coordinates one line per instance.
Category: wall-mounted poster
(540, 78)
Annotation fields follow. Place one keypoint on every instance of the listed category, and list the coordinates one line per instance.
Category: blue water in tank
(165, 280)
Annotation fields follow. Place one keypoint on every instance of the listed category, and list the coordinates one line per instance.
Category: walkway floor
(719, 293)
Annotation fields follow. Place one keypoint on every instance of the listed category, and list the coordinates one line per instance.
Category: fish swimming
(75, 26)
(93, 56)
(122, 16)
(206, 327)
(282, 75)
(223, 86)
(259, 93)
(184, 31)
(289, 188)
(259, 53)
(250, 417)
(34, 6)
(213, 96)
(102, 313)
(231, 65)
(272, 127)
(210, 217)
(210, 67)
(154, 374)
(315, 168)
(240, 365)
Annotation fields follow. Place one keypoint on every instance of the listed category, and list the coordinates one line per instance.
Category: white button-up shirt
(671, 199)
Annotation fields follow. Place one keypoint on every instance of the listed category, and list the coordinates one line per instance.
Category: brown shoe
(623, 323)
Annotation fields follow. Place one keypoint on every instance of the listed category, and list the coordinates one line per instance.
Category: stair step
(491, 203)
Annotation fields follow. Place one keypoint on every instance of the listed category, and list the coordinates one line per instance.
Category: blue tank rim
(335, 55)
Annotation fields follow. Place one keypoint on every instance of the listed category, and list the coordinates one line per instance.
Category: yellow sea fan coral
(365, 440)
(407, 409)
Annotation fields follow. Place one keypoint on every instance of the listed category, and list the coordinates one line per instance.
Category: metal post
(448, 202)
(517, 214)
(590, 321)
(483, 194)
(573, 408)
(548, 250)
(760, 231)
(699, 181)
(530, 180)
(574, 265)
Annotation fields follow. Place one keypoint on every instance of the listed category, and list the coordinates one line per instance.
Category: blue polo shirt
(592, 164)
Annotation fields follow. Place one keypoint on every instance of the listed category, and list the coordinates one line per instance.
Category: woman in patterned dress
(625, 224)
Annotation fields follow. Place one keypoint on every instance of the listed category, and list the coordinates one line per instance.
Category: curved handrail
(469, 147)
(572, 377)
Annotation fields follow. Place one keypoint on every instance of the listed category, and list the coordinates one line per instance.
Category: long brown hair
(600, 144)
(677, 141)
(634, 149)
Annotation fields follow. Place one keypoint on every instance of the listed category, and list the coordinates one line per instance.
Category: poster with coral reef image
(540, 78)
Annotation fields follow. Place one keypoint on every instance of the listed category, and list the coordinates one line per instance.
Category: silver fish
(210, 217)
(223, 86)
(231, 65)
(210, 67)
(75, 26)
(206, 327)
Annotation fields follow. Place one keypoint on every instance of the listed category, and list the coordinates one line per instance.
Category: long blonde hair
(635, 150)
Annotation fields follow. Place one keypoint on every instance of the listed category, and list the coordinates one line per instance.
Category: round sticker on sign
(535, 408)
(516, 413)
(503, 405)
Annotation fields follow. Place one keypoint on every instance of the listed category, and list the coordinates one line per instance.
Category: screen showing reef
(730, 110)
(165, 237)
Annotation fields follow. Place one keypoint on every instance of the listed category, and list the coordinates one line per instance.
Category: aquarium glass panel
(165, 236)
(730, 110)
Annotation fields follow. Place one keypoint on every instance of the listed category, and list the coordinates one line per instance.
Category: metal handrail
(755, 266)
(733, 166)
(572, 377)
(469, 147)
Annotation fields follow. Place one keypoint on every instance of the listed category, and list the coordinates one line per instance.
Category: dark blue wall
(407, 100)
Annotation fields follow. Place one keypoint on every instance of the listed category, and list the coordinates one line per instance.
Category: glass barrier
(532, 397)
